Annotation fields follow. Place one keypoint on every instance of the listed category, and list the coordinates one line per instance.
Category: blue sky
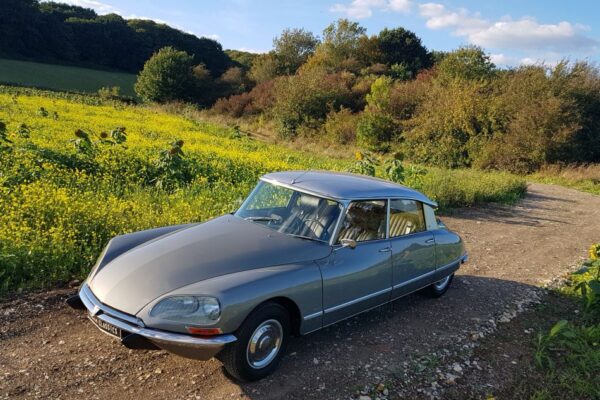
(514, 32)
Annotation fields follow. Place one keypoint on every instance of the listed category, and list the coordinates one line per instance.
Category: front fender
(240, 293)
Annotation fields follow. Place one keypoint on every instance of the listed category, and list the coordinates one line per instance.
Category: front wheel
(440, 287)
(261, 343)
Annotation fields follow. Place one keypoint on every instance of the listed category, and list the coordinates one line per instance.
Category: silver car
(305, 250)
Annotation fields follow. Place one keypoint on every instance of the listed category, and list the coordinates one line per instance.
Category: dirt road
(413, 347)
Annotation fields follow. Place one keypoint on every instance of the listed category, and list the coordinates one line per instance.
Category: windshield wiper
(305, 237)
(263, 218)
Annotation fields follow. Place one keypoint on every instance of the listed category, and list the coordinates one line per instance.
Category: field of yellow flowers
(75, 171)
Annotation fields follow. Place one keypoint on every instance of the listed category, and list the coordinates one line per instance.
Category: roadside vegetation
(568, 355)
(581, 177)
(77, 170)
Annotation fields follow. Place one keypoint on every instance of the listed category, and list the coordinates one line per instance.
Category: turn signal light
(204, 331)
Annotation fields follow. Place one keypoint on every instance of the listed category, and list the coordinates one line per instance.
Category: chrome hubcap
(264, 344)
(440, 285)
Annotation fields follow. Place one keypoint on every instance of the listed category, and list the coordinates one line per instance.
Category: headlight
(188, 309)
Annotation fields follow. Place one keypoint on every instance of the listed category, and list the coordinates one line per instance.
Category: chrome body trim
(358, 300)
(208, 346)
(94, 306)
(313, 315)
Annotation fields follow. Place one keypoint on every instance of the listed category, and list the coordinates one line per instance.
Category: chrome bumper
(181, 344)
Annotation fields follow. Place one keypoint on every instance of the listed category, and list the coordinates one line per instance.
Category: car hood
(222, 246)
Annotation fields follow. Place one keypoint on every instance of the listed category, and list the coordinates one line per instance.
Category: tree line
(61, 33)
(388, 93)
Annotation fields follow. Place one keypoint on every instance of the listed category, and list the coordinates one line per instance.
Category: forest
(65, 34)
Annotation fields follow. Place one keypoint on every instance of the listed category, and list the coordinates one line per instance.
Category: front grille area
(95, 307)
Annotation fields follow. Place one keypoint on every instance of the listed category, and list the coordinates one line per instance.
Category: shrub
(166, 76)
(375, 131)
(308, 97)
(533, 123)
(340, 126)
(448, 124)
(257, 101)
(109, 93)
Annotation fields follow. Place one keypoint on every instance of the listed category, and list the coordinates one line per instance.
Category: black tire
(435, 290)
(234, 356)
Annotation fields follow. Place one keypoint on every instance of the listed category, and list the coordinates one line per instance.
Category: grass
(76, 171)
(581, 177)
(59, 77)
(565, 358)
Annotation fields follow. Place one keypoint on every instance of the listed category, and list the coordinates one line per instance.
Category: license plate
(107, 328)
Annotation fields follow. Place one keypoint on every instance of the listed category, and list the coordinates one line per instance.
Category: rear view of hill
(60, 33)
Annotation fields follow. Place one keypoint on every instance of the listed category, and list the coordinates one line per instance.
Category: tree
(167, 75)
(243, 59)
(466, 63)
(265, 67)
(377, 128)
(343, 42)
(403, 47)
(292, 48)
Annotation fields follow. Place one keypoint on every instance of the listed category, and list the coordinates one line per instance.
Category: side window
(406, 217)
(364, 220)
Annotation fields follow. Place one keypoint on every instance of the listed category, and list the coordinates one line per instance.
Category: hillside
(59, 77)
(59, 33)
(75, 172)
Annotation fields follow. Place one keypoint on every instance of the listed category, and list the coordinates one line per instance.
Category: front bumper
(135, 333)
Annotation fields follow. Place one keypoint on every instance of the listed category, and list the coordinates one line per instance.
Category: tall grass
(581, 177)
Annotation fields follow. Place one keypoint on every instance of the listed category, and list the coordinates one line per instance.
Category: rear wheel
(440, 287)
(261, 343)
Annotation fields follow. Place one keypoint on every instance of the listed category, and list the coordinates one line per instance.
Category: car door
(356, 279)
(413, 247)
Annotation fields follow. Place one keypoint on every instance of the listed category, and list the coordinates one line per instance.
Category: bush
(340, 127)
(166, 76)
(448, 124)
(533, 123)
(257, 101)
(375, 131)
(309, 96)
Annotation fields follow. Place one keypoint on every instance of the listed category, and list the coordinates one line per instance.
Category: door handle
(385, 250)
(432, 240)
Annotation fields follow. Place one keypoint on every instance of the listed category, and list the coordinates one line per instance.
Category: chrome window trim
(357, 300)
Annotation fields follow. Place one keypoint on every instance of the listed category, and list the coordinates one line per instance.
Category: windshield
(291, 212)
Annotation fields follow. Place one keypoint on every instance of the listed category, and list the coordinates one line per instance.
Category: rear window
(406, 217)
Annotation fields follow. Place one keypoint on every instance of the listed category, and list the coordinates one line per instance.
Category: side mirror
(350, 243)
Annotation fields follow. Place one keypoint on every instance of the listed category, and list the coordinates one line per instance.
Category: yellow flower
(595, 251)
(358, 155)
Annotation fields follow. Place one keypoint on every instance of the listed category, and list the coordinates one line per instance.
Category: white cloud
(528, 34)
(157, 20)
(212, 36)
(255, 51)
(359, 9)
(402, 6)
(100, 8)
(525, 34)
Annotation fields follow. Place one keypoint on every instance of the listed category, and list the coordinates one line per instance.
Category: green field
(76, 171)
(59, 77)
